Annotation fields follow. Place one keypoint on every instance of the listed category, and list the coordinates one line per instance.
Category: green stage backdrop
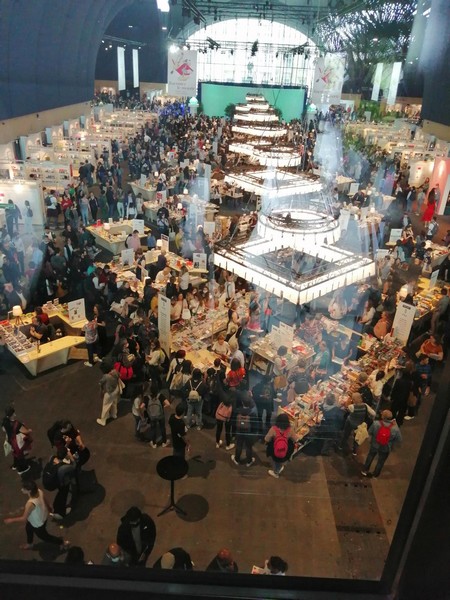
(215, 97)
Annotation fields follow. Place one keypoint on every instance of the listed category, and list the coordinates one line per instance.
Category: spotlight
(173, 49)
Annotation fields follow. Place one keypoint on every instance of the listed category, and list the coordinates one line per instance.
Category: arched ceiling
(49, 51)
(187, 15)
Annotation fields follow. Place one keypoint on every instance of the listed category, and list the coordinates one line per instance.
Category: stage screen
(216, 96)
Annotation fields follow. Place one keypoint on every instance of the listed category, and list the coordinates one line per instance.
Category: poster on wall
(164, 323)
(182, 73)
(77, 310)
(328, 79)
(403, 320)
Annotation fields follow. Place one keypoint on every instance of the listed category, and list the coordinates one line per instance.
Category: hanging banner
(393, 85)
(135, 68)
(182, 73)
(164, 323)
(403, 320)
(377, 82)
(121, 85)
(328, 80)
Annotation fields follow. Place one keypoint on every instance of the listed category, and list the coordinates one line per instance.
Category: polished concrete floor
(322, 516)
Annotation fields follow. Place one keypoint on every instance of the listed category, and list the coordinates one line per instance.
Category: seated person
(383, 326)
(39, 331)
(423, 368)
(432, 347)
(163, 276)
(220, 346)
(41, 315)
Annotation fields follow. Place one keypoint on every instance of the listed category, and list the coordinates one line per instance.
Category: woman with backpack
(246, 430)
(175, 366)
(155, 412)
(280, 440)
(358, 413)
(194, 391)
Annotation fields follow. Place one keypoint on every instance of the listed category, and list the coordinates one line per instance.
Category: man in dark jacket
(136, 535)
(246, 430)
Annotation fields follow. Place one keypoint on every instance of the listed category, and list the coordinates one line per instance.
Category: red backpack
(384, 434)
(280, 443)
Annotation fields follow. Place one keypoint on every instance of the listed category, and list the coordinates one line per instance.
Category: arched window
(253, 51)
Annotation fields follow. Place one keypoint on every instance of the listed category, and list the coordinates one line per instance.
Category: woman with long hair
(35, 515)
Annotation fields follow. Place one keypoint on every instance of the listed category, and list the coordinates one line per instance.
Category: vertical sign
(135, 68)
(182, 73)
(164, 323)
(395, 78)
(403, 320)
(165, 242)
(199, 260)
(433, 279)
(77, 310)
(377, 82)
(121, 68)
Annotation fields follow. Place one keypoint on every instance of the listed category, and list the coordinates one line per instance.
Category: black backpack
(50, 479)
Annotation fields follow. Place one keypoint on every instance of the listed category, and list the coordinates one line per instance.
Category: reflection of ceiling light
(164, 28)
(163, 5)
(173, 49)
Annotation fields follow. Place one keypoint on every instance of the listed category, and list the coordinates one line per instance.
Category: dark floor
(321, 515)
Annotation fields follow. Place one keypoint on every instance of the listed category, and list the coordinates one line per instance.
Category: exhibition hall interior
(225, 298)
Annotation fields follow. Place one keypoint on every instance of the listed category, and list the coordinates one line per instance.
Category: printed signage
(182, 73)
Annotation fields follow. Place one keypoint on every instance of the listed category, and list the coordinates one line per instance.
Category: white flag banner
(182, 73)
(377, 82)
(328, 79)
(121, 85)
(395, 78)
(135, 68)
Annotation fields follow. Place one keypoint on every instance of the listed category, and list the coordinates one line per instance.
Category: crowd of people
(121, 335)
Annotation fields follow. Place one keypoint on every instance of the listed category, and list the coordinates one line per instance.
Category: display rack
(55, 176)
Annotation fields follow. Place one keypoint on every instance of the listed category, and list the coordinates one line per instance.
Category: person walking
(19, 438)
(35, 516)
(110, 392)
(280, 440)
(383, 435)
(91, 337)
(136, 535)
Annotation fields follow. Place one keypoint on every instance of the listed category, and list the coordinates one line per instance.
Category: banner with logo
(328, 79)
(182, 73)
